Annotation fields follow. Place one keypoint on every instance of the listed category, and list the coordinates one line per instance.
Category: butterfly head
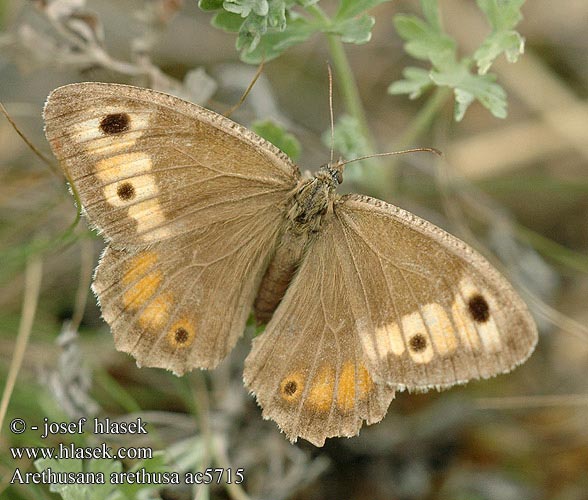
(331, 173)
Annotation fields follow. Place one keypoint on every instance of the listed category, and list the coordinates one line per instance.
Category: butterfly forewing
(192, 204)
(149, 166)
(429, 310)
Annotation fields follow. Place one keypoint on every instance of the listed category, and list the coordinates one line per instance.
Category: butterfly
(206, 221)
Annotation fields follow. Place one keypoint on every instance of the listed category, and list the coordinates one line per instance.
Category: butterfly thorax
(311, 202)
(312, 199)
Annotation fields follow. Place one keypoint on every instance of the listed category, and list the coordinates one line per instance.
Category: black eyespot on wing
(125, 191)
(478, 308)
(290, 387)
(115, 123)
(181, 335)
(418, 342)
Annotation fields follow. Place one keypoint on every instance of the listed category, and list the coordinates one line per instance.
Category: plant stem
(345, 78)
(349, 89)
(33, 277)
(416, 128)
(424, 118)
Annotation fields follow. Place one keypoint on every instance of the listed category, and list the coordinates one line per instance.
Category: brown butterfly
(206, 221)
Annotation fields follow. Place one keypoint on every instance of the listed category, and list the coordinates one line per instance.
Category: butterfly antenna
(228, 113)
(34, 149)
(393, 153)
(331, 111)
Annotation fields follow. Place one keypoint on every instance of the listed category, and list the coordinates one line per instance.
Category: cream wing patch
(127, 177)
(150, 220)
(143, 295)
(466, 329)
(131, 191)
(417, 338)
(328, 388)
(123, 166)
(473, 307)
(114, 131)
(138, 192)
(438, 330)
(389, 340)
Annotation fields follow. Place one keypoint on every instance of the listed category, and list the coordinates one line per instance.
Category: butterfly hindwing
(307, 369)
(183, 303)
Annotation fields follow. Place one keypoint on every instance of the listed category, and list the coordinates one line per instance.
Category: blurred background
(516, 188)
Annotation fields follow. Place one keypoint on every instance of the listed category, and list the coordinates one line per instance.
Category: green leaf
(351, 8)
(431, 13)
(266, 28)
(81, 491)
(468, 87)
(246, 7)
(272, 44)
(416, 81)
(276, 16)
(509, 42)
(250, 32)
(502, 14)
(426, 40)
(349, 140)
(278, 136)
(152, 465)
(422, 40)
(107, 467)
(71, 465)
(210, 4)
(351, 23)
(256, 19)
(250, 18)
(227, 21)
(356, 30)
(350, 143)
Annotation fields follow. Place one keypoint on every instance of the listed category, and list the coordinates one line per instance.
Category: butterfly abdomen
(279, 274)
(309, 204)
